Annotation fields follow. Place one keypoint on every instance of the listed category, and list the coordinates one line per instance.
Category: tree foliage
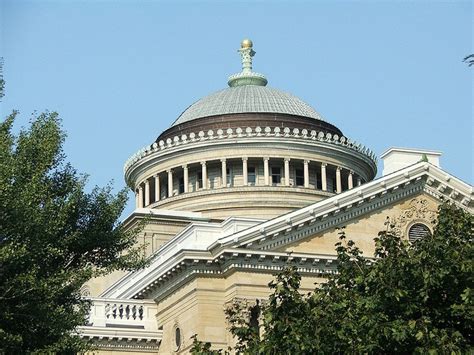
(2, 82)
(409, 298)
(54, 237)
(469, 60)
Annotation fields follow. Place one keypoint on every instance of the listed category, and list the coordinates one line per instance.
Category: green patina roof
(247, 93)
(247, 99)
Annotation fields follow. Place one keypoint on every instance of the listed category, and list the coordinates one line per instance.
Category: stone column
(224, 173)
(140, 197)
(338, 180)
(204, 175)
(306, 173)
(324, 180)
(359, 181)
(185, 178)
(244, 171)
(350, 180)
(266, 171)
(170, 182)
(137, 199)
(157, 188)
(287, 172)
(147, 192)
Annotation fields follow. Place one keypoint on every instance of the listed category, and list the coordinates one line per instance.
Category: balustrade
(139, 314)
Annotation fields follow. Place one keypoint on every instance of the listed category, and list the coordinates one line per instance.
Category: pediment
(408, 195)
(363, 228)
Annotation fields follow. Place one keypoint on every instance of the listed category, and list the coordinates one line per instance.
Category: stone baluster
(324, 180)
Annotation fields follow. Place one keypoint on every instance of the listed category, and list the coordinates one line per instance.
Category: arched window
(418, 231)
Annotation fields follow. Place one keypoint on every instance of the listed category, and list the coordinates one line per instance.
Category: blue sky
(387, 73)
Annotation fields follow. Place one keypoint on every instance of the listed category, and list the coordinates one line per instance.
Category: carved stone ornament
(417, 211)
(85, 291)
(244, 307)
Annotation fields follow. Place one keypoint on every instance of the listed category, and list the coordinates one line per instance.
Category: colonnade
(147, 193)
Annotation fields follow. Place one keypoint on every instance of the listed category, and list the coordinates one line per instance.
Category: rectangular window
(276, 175)
(199, 179)
(228, 175)
(319, 184)
(251, 175)
(181, 185)
(299, 177)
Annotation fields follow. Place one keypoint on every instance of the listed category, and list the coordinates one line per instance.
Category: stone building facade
(243, 181)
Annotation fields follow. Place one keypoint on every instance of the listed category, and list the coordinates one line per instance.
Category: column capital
(169, 171)
(266, 158)
(287, 159)
(203, 163)
(185, 166)
(351, 172)
(306, 161)
(147, 182)
(140, 188)
(223, 160)
(245, 158)
(156, 175)
(339, 168)
(324, 165)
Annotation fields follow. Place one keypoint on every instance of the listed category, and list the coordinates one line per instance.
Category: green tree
(469, 60)
(54, 237)
(2, 82)
(409, 298)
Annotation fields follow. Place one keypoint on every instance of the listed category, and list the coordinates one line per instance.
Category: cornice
(413, 175)
(264, 238)
(231, 260)
(121, 338)
(247, 135)
(239, 190)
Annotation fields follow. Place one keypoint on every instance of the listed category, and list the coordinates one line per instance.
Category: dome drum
(277, 173)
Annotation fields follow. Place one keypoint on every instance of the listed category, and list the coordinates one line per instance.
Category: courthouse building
(244, 181)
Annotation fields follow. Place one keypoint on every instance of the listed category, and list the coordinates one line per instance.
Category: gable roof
(178, 257)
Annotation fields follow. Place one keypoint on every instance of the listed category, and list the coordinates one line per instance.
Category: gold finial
(246, 43)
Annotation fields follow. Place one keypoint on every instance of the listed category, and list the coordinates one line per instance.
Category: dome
(248, 150)
(247, 99)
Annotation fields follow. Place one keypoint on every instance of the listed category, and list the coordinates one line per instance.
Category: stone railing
(250, 132)
(123, 313)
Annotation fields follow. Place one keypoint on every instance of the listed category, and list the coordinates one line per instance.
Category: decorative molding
(232, 260)
(224, 253)
(122, 339)
(337, 217)
(417, 211)
(321, 137)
